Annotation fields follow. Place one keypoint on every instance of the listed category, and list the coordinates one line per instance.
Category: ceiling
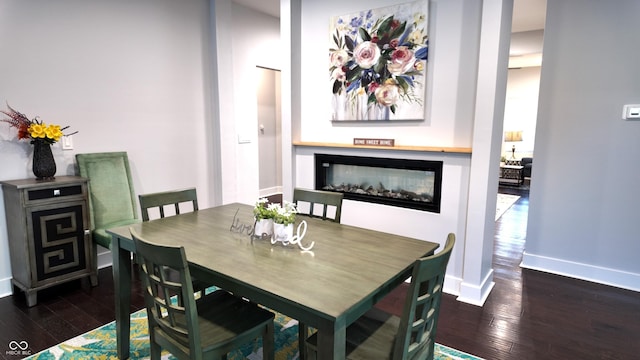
(528, 15)
(527, 26)
(271, 7)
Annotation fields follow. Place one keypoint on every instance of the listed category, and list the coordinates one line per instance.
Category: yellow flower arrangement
(41, 131)
(35, 129)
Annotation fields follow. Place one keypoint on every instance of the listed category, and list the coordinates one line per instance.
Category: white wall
(128, 75)
(583, 219)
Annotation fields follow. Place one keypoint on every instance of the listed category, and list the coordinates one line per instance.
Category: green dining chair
(208, 328)
(172, 199)
(379, 335)
(112, 200)
(161, 199)
(311, 198)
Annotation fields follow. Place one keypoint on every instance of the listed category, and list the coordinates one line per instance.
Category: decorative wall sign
(378, 63)
(373, 142)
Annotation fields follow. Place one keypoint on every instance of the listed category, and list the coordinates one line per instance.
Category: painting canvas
(378, 63)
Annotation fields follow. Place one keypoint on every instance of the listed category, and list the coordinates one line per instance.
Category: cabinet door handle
(56, 192)
(87, 232)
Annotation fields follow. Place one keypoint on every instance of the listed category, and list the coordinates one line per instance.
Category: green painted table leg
(122, 284)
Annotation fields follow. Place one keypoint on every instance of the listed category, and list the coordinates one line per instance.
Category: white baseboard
(477, 294)
(6, 288)
(597, 274)
(104, 258)
(452, 285)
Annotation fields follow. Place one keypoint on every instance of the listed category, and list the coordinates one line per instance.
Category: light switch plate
(67, 142)
(631, 112)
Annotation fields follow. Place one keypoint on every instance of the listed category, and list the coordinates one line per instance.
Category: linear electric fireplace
(414, 184)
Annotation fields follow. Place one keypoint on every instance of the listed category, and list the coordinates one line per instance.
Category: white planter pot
(282, 233)
(263, 227)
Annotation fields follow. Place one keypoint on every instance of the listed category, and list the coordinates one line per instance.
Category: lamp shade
(511, 136)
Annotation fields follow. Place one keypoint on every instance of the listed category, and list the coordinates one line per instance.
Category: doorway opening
(269, 132)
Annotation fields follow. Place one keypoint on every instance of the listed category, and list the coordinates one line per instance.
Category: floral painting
(378, 63)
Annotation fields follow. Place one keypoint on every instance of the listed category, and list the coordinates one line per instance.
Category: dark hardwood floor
(62, 312)
(528, 315)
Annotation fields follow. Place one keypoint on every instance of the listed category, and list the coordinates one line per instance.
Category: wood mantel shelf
(459, 150)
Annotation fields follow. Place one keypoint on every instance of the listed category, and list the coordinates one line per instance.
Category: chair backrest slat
(161, 199)
(319, 197)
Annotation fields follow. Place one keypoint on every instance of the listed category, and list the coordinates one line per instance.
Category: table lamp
(513, 136)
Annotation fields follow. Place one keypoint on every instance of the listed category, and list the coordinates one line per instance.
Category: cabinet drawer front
(55, 192)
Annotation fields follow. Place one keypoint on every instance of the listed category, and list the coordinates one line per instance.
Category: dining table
(328, 287)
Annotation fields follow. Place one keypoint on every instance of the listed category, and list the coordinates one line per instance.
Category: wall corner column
(290, 30)
(495, 34)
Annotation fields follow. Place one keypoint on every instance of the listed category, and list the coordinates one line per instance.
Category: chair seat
(371, 337)
(225, 322)
(103, 239)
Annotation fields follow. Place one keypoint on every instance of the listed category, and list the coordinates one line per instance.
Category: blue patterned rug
(101, 344)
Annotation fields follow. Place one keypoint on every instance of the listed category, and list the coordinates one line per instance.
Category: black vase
(44, 165)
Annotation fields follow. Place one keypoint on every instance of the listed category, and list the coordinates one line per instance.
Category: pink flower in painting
(373, 86)
(402, 60)
(366, 54)
(387, 94)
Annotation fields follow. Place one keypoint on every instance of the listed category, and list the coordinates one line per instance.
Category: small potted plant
(283, 219)
(263, 215)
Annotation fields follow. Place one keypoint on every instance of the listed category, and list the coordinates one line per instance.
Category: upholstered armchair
(112, 201)
(527, 163)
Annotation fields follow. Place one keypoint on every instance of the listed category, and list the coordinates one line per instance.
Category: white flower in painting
(417, 36)
(339, 57)
(388, 94)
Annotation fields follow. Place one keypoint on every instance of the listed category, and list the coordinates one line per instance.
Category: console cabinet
(49, 233)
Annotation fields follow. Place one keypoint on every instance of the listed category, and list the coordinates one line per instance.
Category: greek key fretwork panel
(58, 237)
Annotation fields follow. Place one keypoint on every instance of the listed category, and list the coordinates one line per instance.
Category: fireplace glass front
(414, 184)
